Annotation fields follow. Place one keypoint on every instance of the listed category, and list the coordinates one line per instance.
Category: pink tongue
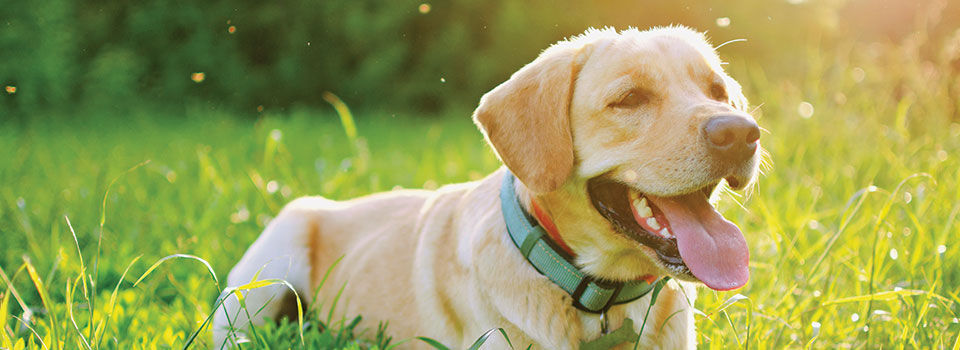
(712, 247)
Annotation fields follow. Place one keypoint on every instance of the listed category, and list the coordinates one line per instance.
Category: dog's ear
(527, 118)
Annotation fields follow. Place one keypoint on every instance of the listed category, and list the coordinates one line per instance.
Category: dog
(613, 144)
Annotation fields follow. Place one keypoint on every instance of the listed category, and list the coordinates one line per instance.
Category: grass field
(853, 232)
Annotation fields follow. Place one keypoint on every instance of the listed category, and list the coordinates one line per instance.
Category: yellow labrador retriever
(612, 143)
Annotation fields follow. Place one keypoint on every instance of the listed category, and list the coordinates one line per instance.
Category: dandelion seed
(198, 77)
(10, 89)
(276, 134)
(893, 254)
(424, 8)
(232, 29)
(941, 249)
(855, 317)
(805, 109)
(817, 293)
(871, 188)
(272, 186)
(723, 22)
(907, 197)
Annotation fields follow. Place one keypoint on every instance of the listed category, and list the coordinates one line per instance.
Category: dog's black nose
(732, 137)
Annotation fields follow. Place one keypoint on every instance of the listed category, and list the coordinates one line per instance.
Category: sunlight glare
(805, 109)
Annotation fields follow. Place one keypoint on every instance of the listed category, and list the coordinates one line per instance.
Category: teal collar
(589, 293)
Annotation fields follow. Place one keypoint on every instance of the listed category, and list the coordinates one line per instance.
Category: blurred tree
(398, 56)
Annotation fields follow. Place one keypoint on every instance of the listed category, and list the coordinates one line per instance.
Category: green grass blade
(44, 299)
(69, 301)
(220, 300)
(96, 258)
(346, 118)
(179, 256)
(259, 284)
(13, 290)
(83, 266)
(486, 336)
(112, 303)
(889, 295)
(653, 299)
(34, 331)
(435, 344)
(860, 196)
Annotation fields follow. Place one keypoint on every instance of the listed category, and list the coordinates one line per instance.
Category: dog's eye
(633, 98)
(718, 92)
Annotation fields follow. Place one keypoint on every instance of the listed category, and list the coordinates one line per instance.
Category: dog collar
(589, 293)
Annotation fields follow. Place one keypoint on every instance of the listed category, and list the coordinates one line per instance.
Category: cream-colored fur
(440, 263)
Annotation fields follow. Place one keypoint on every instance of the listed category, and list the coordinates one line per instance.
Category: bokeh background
(134, 130)
(115, 56)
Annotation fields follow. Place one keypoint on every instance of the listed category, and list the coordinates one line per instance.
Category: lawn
(852, 229)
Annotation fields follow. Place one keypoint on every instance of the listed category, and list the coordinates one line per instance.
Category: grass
(853, 230)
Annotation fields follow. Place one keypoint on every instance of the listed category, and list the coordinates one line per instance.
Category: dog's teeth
(642, 209)
(665, 233)
(652, 222)
(646, 208)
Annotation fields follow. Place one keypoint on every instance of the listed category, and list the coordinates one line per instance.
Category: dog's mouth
(691, 239)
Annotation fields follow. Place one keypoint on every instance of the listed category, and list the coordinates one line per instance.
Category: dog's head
(622, 137)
